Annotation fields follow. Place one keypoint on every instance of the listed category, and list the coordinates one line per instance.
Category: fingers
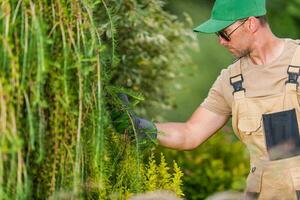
(124, 98)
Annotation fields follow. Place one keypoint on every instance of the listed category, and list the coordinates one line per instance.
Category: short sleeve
(215, 100)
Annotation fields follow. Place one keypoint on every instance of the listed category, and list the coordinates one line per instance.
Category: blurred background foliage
(152, 47)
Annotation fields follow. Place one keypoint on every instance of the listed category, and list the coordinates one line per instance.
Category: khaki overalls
(275, 166)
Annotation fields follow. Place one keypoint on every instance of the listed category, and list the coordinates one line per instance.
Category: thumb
(124, 98)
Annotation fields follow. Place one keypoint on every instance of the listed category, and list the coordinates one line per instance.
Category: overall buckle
(237, 83)
(293, 72)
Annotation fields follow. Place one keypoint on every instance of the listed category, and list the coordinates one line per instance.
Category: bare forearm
(173, 135)
(186, 136)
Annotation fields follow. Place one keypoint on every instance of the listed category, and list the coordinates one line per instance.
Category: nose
(222, 41)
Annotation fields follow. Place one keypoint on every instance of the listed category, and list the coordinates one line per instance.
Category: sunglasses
(226, 36)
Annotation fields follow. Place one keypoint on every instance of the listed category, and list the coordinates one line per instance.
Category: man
(259, 91)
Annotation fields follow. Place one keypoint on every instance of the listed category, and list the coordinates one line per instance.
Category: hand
(145, 129)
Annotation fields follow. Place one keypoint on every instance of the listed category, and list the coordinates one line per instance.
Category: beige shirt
(259, 80)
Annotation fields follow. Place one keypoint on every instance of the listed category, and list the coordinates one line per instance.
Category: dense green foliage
(59, 61)
(152, 47)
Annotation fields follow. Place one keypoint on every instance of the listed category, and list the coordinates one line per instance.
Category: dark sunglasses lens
(223, 35)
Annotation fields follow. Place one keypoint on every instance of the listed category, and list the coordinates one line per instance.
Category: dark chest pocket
(282, 134)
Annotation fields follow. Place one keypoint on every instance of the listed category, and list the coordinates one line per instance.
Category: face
(234, 38)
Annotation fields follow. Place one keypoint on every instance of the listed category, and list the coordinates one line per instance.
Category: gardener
(259, 91)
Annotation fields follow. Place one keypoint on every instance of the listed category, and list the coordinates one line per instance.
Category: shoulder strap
(236, 79)
(296, 57)
(236, 69)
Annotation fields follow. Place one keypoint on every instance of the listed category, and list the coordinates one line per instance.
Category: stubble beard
(241, 53)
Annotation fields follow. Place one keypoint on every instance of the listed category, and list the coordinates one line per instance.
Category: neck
(266, 47)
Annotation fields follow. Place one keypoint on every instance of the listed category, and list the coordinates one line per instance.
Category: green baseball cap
(226, 12)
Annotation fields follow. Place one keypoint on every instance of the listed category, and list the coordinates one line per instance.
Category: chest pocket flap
(249, 125)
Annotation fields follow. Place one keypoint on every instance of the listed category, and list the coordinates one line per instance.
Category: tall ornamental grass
(51, 105)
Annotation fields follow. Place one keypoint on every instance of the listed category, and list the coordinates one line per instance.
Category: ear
(253, 24)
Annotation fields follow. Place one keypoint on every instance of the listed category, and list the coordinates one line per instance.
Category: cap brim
(212, 26)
